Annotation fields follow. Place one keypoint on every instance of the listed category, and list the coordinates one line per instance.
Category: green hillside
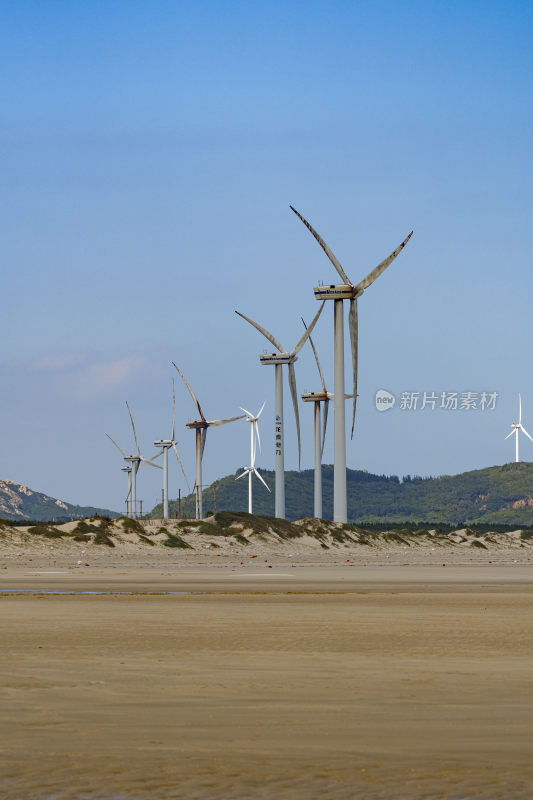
(502, 494)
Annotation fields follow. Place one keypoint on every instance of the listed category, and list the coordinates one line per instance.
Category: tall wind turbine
(251, 470)
(135, 462)
(200, 426)
(516, 427)
(279, 359)
(166, 444)
(338, 293)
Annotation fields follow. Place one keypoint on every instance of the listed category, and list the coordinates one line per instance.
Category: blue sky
(149, 156)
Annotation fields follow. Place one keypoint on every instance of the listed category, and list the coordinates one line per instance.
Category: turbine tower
(128, 471)
(338, 293)
(278, 360)
(135, 462)
(516, 427)
(320, 435)
(166, 444)
(251, 470)
(200, 426)
(317, 398)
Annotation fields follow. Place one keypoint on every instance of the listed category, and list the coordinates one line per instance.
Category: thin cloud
(60, 362)
(106, 377)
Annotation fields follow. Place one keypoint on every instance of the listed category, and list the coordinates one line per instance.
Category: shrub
(44, 530)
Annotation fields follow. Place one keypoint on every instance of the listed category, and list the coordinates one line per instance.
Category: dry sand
(379, 677)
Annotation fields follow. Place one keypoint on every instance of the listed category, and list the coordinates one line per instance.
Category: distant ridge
(497, 495)
(18, 502)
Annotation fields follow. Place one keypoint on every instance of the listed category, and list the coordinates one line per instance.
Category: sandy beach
(208, 676)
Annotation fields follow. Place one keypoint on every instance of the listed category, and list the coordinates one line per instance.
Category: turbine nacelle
(197, 424)
(315, 397)
(277, 358)
(339, 291)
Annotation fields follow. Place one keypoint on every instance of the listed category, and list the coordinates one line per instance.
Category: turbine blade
(316, 359)
(134, 431)
(173, 411)
(324, 426)
(246, 411)
(260, 410)
(223, 421)
(292, 384)
(352, 323)
(117, 445)
(376, 272)
(334, 260)
(181, 465)
(261, 479)
(263, 331)
(246, 471)
(149, 461)
(191, 392)
(308, 330)
(509, 435)
(524, 431)
(258, 437)
(202, 444)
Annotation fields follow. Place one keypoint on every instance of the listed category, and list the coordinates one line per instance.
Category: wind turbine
(517, 426)
(166, 444)
(201, 426)
(135, 462)
(338, 293)
(251, 470)
(320, 435)
(317, 398)
(128, 471)
(278, 359)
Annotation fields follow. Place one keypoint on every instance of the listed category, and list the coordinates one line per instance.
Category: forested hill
(501, 494)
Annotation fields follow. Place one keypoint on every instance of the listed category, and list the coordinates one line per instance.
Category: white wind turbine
(201, 426)
(516, 427)
(135, 461)
(251, 470)
(338, 293)
(166, 444)
(279, 359)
